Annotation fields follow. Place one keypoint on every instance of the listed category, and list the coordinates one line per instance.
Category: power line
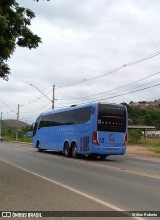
(9, 107)
(114, 70)
(37, 99)
(92, 78)
(35, 109)
(114, 96)
(108, 73)
(138, 90)
(132, 91)
(128, 84)
(34, 116)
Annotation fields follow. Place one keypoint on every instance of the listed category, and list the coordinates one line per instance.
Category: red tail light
(125, 139)
(95, 138)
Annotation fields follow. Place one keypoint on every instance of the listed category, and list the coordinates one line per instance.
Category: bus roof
(76, 107)
(68, 108)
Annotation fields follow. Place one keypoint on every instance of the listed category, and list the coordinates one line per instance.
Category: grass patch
(156, 150)
(153, 144)
(26, 139)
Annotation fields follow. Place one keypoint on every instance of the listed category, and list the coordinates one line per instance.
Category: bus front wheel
(38, 147)
(67, 152)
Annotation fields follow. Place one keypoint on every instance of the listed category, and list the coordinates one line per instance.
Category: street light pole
(46, 95)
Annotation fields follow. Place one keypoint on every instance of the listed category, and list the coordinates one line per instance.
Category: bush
(135, 136)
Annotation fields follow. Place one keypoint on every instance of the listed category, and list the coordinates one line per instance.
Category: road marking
(129, 171)
(139, 173)
(109, 167)
(124, 170)
(72, 189)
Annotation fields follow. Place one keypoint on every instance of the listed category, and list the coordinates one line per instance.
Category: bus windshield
(111, 118)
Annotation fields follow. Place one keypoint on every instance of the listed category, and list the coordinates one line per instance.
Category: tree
(148, 119)
(148, 116)
(24, 130)
(135, 136)
(14, 31)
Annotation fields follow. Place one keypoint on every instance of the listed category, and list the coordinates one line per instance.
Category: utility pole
(17, 123)
(53, 97)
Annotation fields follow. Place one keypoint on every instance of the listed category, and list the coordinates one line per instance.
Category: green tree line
(10, 131)
(147, 116)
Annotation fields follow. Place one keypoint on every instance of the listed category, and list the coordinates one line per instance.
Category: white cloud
(84, 39)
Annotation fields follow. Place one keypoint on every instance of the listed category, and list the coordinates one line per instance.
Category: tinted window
(111, 118)
(76, 116)
(36, 125)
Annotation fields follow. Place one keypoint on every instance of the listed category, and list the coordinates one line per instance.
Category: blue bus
(95, 129)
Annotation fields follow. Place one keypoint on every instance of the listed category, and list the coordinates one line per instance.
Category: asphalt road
(125, 182)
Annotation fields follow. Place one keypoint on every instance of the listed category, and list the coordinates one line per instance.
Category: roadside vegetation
(135, 138)
(149, 116)
(24, 139)
(9, 133)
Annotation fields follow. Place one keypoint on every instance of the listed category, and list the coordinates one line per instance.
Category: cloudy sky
(93, 50)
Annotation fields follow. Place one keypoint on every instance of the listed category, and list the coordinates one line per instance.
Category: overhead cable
(128, 84)
(114, 70)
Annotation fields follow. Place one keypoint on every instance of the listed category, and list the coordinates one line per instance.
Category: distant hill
(146, 105)
(13, 123)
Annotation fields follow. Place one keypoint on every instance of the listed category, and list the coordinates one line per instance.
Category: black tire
(92, 156)
(39, 148)
(74, 151)
(103, 156)
(67, 151)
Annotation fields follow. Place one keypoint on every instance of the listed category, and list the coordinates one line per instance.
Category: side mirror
(32, 127)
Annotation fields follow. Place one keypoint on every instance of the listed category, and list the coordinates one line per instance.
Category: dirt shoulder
(140, 150)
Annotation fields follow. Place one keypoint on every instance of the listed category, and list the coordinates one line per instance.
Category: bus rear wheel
(74, 151)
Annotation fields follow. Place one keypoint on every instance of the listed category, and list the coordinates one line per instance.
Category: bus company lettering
(66, 129)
